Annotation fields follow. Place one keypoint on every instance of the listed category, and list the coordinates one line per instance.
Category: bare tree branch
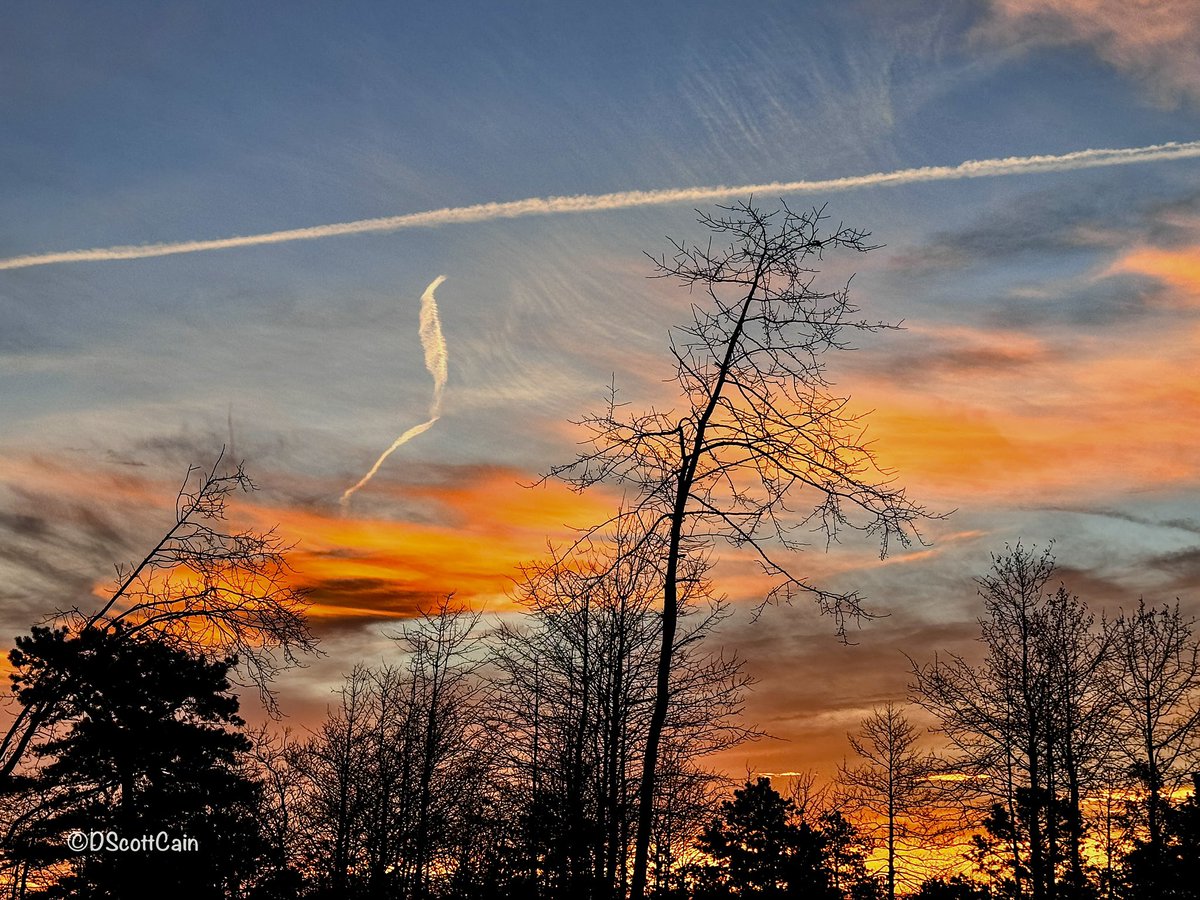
(202, 588)
(757, 428)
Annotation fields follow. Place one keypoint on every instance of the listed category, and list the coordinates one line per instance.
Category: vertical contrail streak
(434, 345)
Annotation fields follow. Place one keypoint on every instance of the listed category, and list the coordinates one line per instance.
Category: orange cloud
(1157, 41)
(459, 529)
(472, 535)
(1177, 269)
(1110, 413)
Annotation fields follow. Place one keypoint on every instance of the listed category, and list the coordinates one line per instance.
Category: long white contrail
(580, 203)
(436, 358)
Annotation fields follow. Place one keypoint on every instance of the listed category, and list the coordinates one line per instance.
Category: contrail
(582, 203)
(434, 345)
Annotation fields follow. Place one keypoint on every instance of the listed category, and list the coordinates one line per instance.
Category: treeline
(505, 763)
(1079, 734)
(497, 761)
(504, 760)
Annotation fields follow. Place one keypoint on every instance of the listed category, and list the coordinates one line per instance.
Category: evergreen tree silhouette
(757, 849)
(145, 743)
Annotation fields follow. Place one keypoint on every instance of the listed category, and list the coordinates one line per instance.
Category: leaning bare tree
(758, 434)
(202, 588)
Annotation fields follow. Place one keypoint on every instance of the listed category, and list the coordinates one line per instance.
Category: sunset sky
(1045, 386)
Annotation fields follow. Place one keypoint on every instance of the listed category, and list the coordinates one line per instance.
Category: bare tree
(893, 788)
(334, 766)
(758, 433)
(573, 683)
(202, 588)
(1081, 735)
(1157, 686)
(271, 762)
(441, 668)
(1034, 726)
(996, 716)
(813, 796)
(391, 770)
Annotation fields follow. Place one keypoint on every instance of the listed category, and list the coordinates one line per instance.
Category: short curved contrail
(436, 358)
(581, 203)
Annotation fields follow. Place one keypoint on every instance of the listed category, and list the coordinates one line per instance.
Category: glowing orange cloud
(1178, 269)
(473, 535)
(1089, 415)
(467, 531)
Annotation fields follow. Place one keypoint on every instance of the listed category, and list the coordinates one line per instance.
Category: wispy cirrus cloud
(584, 203)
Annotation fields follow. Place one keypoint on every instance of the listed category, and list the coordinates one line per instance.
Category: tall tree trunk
(891, 847)
(670, 616)
(1053, 854)
(1014, 819)
(1037, 849)
(1153, 793)
(1078, 878)
(658, 718)
(578, 866)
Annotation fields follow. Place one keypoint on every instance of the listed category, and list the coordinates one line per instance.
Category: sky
(1043, 388)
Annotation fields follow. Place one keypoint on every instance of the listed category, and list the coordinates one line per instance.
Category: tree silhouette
(955, 887)
(892, 785)
(572, 678)
(758, 433)
(394, 773)
(1031, 725)
(144, 740)
(202, 588)
(1170, 869)
(757, 849)
(1062, 711)
(845, 852)
(1156, 682)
